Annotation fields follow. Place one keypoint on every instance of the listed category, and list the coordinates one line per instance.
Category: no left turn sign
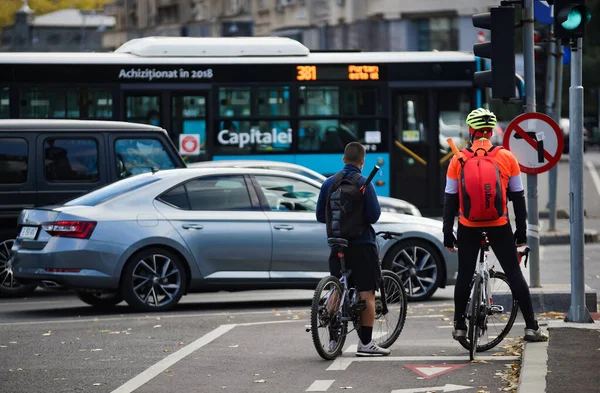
(536, 141)
(189, 144)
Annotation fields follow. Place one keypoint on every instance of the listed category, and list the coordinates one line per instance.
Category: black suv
(45, 162)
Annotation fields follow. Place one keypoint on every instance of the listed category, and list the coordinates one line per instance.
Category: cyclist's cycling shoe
(371, 349)
(459, 334)
(535, 335)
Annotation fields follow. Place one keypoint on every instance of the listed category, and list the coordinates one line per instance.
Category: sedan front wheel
(153, 280)
(418, 265)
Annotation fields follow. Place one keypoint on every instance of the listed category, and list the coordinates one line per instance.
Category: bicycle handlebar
(387, 235)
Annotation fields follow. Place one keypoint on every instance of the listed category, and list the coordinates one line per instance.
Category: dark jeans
(502, 242)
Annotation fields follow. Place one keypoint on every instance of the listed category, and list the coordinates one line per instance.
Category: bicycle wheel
(501, 315)
(388, 327)
(327, 329)
(474, 319)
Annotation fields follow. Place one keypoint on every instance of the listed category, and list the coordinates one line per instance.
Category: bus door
(414, 146)
(188, 124)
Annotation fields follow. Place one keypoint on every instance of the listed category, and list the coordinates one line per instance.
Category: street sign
(566, 55)
(536, 141)
(433, 370)
(542, 12)
(189, 144)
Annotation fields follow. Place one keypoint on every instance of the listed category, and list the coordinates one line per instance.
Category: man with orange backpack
(478, 187)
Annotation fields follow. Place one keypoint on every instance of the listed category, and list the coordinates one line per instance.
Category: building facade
(67, 30)
(367, 25)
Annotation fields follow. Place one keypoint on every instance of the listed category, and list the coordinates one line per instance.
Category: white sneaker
(371, 349)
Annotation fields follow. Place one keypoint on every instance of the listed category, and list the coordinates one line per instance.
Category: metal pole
(551, 97)
(553, 175)
(578, 311)
(533, 237)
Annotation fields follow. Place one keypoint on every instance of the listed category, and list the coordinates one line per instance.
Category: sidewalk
(566, 363)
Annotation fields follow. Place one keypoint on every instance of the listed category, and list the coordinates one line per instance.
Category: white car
(390, 205)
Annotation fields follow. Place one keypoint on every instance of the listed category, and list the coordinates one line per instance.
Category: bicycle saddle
(336, 241)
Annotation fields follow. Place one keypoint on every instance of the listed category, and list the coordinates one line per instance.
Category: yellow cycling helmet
(481, 118)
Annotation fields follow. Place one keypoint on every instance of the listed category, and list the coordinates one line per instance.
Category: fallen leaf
(479, 361)
(60, 379)
(12, 342)
(180, 343)
(96, 349)
(166, 350)
(19, 369)
(97, 384)
(445, 319)
(345, 387)
(156, 326)
(498, 354)
(36, 354)
(420, 377)
(447, 310)
(278, 314)
(4, 346)
(105, 331)
(295, 317)
(260, 381)
(169, 371)
(49, 332)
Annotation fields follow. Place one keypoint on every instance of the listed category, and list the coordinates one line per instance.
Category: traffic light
(570, 18)
(541, 47)
(500, 50)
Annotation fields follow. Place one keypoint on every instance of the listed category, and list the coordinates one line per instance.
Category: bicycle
(481, 305)
(341, 305)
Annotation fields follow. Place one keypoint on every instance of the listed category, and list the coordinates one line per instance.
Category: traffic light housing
(500, 50)
(541, 52)
(570, 18)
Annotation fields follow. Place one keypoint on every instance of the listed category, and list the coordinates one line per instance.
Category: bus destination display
(350, 72)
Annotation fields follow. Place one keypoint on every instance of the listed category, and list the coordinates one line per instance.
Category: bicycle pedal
(360, 306)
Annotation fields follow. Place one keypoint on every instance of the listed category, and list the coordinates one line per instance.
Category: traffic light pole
(578, 311)
(554, 63)
(533, 237)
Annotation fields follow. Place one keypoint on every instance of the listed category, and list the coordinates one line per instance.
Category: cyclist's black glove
(449, 240)
(520, 236)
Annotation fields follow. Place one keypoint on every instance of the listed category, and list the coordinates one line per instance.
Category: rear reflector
(51, 270)
(74, 229)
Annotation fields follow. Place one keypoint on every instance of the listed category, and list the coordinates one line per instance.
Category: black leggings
(503, 244)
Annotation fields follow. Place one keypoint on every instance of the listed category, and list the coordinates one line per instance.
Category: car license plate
(28, 232)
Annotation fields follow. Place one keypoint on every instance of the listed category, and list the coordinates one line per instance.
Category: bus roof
(238, 50)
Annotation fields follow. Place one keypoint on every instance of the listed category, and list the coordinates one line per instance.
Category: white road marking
(145, 376)
(594, 175)
(446, 388)
(342, 363)
(320, 385)
(489, 324)
(147, 317)
(167, 362)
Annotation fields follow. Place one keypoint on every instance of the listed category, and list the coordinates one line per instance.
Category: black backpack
(345, 208)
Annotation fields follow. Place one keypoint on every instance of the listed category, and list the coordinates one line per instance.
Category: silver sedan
(154, 237)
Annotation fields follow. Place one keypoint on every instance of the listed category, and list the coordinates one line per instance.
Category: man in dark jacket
(361, 255)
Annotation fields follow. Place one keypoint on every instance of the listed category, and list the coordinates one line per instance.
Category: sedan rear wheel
(153, 280)
(9, 285)
(418, 265)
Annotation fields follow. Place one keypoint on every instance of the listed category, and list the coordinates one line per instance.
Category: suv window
(287, 194)
(13, 160)
(111, 191)
(135, 156)
(69, 160)
(215, 193)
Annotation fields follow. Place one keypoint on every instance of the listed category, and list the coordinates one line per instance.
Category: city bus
(267, 98)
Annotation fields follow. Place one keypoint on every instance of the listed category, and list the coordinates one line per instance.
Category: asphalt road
(254, 341)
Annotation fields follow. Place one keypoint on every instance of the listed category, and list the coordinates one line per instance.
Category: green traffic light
(573, 20)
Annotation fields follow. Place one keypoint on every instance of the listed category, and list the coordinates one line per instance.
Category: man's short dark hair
(354, 153)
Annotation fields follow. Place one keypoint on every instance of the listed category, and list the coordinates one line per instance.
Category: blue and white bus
(265, 98)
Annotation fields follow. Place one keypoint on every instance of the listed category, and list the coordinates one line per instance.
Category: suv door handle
(192, 227)
(284, 226)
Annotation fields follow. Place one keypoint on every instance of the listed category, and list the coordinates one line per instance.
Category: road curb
(534, 367)
(561, 237)
(550, 298)
(560, 214)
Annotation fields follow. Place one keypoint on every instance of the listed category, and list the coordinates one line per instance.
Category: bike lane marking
(342, 363)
